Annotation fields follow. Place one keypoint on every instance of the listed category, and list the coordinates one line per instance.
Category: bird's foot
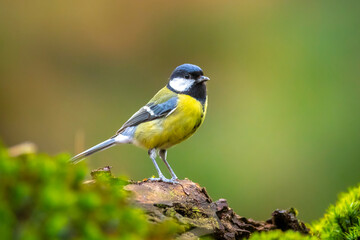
(172, 180)
(152, 179)
(164, 179)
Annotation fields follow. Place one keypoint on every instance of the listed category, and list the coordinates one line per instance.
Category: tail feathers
(101, 146)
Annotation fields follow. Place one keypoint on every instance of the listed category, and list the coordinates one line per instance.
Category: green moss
(279, 235)
(342, 220)
(43, 197)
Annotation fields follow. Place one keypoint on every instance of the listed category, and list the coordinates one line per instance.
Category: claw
(172, 180)
(154, 179)
(175, 180)
(164, 179)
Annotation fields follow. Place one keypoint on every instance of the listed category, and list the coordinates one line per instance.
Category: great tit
(170, 117)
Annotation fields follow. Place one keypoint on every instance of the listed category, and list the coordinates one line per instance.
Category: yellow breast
(176, 127)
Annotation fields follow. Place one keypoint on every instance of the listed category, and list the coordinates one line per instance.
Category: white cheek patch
(181, 84)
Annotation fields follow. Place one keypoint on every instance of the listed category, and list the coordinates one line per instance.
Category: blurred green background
(283, 120)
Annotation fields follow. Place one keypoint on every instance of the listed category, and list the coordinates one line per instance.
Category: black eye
(187, 76)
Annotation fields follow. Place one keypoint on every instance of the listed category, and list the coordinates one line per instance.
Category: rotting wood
(191, 206)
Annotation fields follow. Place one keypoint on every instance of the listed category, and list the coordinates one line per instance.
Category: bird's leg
(163, 154)
(152, 155)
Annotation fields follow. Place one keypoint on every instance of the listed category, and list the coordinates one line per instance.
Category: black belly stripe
(197, 125)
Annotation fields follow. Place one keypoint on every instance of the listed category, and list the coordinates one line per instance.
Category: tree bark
(191, 206)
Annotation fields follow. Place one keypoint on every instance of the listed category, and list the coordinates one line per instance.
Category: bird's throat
(197, 91)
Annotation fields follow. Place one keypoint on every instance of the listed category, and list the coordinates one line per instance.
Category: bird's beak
(202, 79)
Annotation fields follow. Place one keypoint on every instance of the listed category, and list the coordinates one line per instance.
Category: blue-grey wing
(150, 112)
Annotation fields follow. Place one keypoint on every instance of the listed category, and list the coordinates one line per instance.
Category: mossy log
(190, 205)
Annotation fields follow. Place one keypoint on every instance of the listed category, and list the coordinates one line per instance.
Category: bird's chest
(186, 118)
(176, 127)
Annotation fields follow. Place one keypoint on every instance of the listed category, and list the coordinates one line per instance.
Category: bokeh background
(283, 123)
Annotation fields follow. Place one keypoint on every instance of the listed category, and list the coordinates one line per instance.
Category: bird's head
(186, 77)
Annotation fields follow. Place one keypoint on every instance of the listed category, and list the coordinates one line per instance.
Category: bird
(170, 117)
